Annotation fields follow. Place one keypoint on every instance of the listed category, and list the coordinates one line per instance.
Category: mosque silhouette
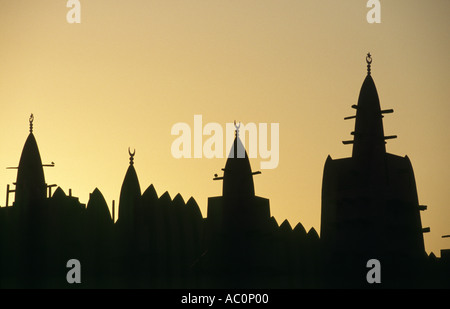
(370, 210)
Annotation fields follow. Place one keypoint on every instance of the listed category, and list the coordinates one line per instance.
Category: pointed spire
(30, 183)
(238, 176)
(97, 210)
(369, 138)
(130, 193)
(369, 132)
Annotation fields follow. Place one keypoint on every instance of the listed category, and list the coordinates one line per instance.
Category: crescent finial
(369, 62)
(31, 123)
(237, 127)
(131, 155)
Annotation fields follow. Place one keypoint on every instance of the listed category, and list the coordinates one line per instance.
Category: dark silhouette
(30, 185)
(370, 210)
(370, 207)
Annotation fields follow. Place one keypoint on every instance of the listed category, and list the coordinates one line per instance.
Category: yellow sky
(128, 72)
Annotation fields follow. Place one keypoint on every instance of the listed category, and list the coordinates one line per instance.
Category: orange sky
(128, 72)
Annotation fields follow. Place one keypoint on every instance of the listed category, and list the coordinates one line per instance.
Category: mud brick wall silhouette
(370, 210)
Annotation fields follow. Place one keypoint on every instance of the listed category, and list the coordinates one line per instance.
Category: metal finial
(237, 128)
(31, 123)
(131, 155)
(369, 62)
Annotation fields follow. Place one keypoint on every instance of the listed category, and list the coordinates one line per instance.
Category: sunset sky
(132, 69)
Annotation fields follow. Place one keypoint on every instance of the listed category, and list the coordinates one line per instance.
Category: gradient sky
(131, 70)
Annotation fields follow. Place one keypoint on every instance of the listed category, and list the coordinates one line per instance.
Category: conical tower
(30, 185)
(238, 208)
(130, 195)
(369, 139)
(97, 211)
(369, 200)
(238, 176)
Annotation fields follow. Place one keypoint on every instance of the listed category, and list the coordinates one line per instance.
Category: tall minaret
(369, 200)
(369, 142)
(238, 176)
(30, 185)
(238, 208)
(369, 139)
(130, 194)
